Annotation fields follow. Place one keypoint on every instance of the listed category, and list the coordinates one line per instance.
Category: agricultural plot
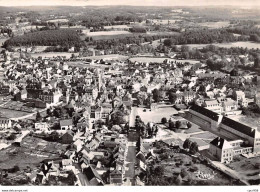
(215, 25)
(107, 34)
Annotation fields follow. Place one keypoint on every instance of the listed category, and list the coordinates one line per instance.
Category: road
(131, 158)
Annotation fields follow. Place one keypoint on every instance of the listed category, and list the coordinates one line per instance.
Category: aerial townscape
(129, 96)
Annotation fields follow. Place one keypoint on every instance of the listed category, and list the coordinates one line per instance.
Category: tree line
(60, 37)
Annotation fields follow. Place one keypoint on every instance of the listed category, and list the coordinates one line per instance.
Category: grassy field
(58, 20)
(244, 44)
(52, 54)
(160, 60)
(12, 113)
(103, 35)
(156, 115)
(215, 25)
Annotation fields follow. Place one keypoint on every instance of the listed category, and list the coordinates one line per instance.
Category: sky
(247, 3)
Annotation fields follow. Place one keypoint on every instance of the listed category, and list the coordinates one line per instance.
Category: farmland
(51, 55)
(12, 113)
(244, 44)
(108, 34)
(215, 25)
(160, 60)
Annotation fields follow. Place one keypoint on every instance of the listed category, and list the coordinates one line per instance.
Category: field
(109, 57)
(160, 60)
(156, 115)
(215, 25)
(58, 20)
(12, 113)
(52, 54)
(31, 153)
(244, 44)
(108, 34)
(163, 21)
(246, 168)
(116, 27)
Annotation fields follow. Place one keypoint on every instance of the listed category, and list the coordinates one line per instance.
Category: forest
(202, 36)
(62, 37)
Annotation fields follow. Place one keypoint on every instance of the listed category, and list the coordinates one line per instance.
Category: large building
(224, 126)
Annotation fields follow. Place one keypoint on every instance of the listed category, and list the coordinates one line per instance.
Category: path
(130, 159)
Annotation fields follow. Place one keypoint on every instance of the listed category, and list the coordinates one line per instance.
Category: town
(160, 105)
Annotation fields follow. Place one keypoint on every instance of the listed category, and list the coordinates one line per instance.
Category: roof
(66, 122)
(91, 173)
(239, 126)
(208, 113)
(221, 143)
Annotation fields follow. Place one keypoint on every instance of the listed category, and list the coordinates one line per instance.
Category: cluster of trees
(143, 130)
(120, 43)
(192, 147)
(201, 36)
(252, 111)
(62, 37)
(137, 30)
(4, 30)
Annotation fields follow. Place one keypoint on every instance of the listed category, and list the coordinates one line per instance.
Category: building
(221, 149)
(66, 124)
(42, 126)
(224, 150)
(5, 123)
(224, 126)
(67, 138)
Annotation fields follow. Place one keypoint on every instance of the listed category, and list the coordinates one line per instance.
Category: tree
(194, 148)
(189, 125)
(172, 97)
(156, 95)
(159, 170)
(187, 144)
(184, 172)
(164, 120)
(178, 180)
(178, 124)
(257, 61)
(38, 116)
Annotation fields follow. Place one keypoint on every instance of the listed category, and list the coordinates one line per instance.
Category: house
(230, 105)
(67, 138)
(42, 126)
(213, 105)
(93, 177)
(116, 177)
(66, 124)
(5, 123)
(221, 149)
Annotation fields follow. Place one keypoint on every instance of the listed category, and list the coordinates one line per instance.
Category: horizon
(154, 3)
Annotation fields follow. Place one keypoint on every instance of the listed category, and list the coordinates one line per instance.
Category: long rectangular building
(224, 126)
